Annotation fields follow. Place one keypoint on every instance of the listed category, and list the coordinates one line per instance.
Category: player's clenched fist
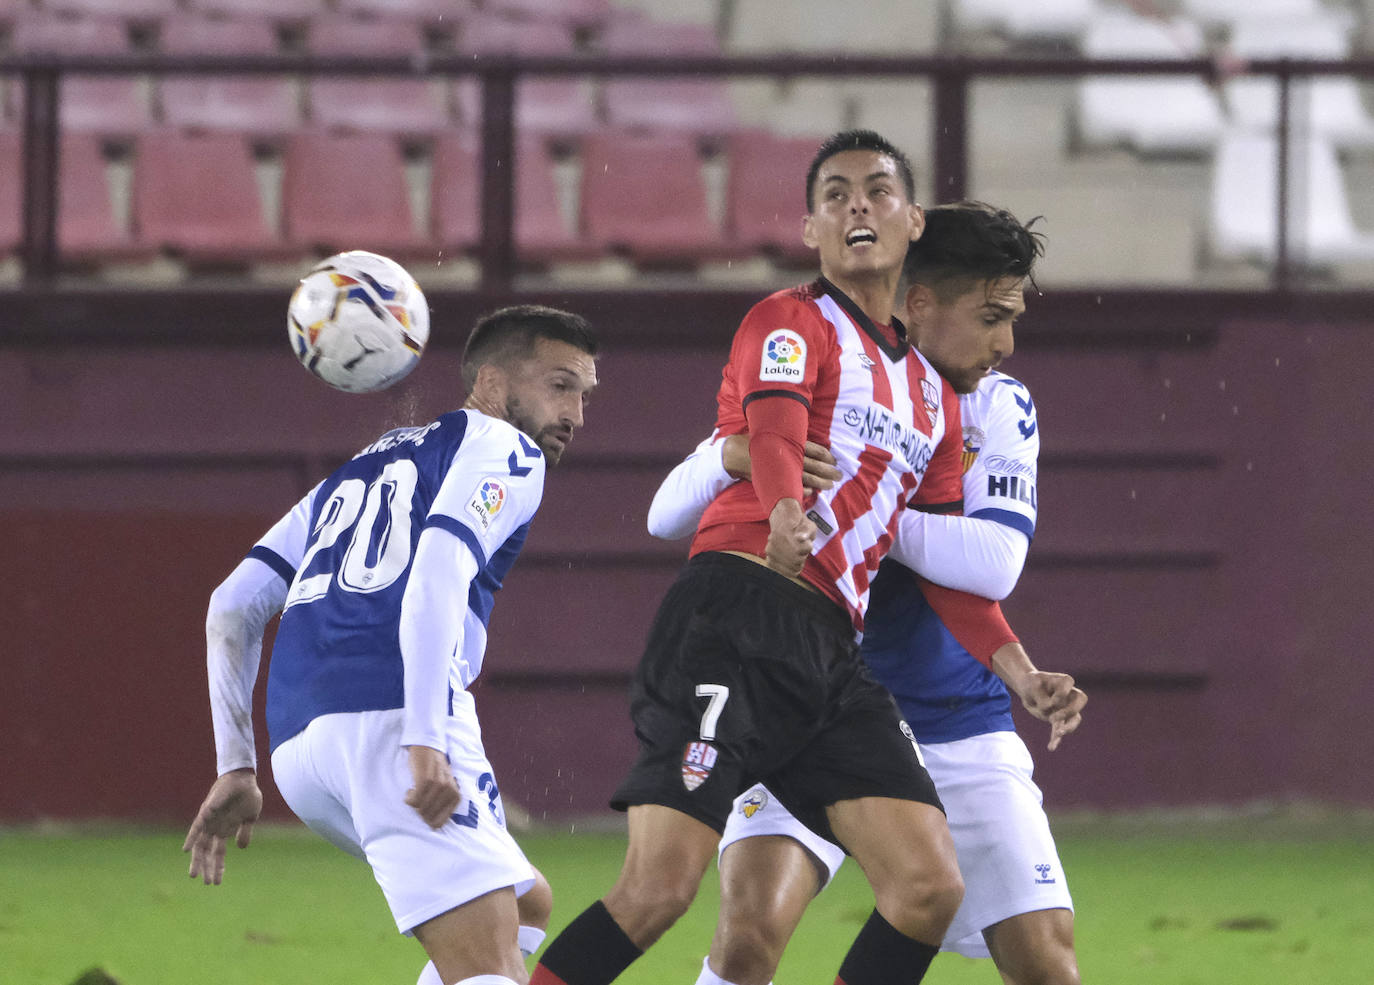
(790, 537)
(434, 793)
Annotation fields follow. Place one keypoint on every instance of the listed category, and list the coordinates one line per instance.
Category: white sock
(709, 977)
(529, 938)
(430, 976)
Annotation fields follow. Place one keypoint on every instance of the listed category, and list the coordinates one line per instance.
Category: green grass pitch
(1184, 900)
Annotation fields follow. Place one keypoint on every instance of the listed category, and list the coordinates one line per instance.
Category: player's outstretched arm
(229, 810)
(1050, 697)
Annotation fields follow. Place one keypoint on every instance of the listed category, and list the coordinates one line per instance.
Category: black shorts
(749, 677)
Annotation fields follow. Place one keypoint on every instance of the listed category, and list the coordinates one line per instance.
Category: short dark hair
(859, 140)
(510, 333)
(966, 242)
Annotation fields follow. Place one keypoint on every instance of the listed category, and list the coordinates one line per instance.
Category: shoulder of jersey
(999, 382)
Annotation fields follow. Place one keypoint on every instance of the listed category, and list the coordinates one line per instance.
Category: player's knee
(651, 905)
(921, 900)
(536, 906)
(1052, 964)
(748, 951)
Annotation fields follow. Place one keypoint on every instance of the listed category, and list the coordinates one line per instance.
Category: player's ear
(917, 304)
(917, 218)
(490, 385)
(809, 232)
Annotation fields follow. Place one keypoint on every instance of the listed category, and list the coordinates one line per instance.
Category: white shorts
(995, 813)
(346, 777)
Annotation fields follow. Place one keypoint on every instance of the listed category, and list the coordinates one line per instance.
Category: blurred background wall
(1201, 561)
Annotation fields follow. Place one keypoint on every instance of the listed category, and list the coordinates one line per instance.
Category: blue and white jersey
(944, 693)
(347, 551)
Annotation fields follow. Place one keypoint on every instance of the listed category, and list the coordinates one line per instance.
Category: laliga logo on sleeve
(784, 358)
(487, 500)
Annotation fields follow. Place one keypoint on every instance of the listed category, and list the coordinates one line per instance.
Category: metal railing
(951, 77)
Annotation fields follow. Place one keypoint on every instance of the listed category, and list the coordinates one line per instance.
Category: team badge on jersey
(754, 801)
(487, 500)
(784, 358)
(930, 396)
(973, 444)
(697, 760)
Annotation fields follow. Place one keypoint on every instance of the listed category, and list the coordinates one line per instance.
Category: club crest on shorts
(784, 358)
(697, 760)
(754, 801)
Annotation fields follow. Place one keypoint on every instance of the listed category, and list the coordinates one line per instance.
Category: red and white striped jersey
(891, 422)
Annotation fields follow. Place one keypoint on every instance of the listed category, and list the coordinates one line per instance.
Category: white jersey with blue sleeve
(944, 693)
(448, 504)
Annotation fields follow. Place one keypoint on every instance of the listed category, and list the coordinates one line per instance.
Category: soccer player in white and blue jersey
(385, 574)
(944, 664)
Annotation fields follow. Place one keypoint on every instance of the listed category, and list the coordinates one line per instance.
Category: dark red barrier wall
(1201, 562)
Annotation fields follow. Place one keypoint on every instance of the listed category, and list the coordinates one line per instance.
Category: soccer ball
(358, 321)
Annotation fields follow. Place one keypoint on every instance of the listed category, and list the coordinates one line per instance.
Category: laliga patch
(755, 801)
(697, 760)
(973, 444)
(930, 395)
(487, 500)
(784, 358)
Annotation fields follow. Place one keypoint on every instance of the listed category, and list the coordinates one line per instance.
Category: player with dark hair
(385, 575)
(751, 670)
(965, 282)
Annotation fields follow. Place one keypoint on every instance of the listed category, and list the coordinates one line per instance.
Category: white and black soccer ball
(358, 321)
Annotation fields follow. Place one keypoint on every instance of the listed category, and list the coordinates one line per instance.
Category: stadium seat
(196, 195)
(1244, 203)
(1224, 13)
(692, 104)
(1330, 106)
(1150, 113)
(348, 191)
(256, 104)
(276, 11)
(435, 11)
(644, 194)
(542, 234)
(130, 10)
(416, 106)
(110, 104)
(545, 105)
(1045, 20)
(580, 13)
(765, 27)
(765, 194)
(88, 230)
(11, 193)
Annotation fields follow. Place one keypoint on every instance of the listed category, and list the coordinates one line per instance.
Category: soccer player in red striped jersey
(751, 671)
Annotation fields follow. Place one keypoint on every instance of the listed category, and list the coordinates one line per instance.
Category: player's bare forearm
(229, 809)
(1050, 697)
(818, 465)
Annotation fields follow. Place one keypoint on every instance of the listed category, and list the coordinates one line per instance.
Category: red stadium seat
(565, 106)
(645, 194)
(698, 105)
(360, 103)
(111, 104)
(197, 196)
(145, 10)
(436, 11)
(541, 234)
(765, 197)
(87, 228)
(257, 104)
(11, 193)
(348, 191)
(581, 13)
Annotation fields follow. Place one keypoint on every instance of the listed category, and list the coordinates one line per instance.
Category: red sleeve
(779, 347)
(977, 623)
(777, 438)
(942, 488)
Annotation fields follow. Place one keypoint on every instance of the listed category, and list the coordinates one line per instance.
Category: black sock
(592, 950)
(883, 955)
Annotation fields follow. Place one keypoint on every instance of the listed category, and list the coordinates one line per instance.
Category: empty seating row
(573, 12)
(276, 104)
(200, 197)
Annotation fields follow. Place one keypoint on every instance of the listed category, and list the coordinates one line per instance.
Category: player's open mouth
(862, 236)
